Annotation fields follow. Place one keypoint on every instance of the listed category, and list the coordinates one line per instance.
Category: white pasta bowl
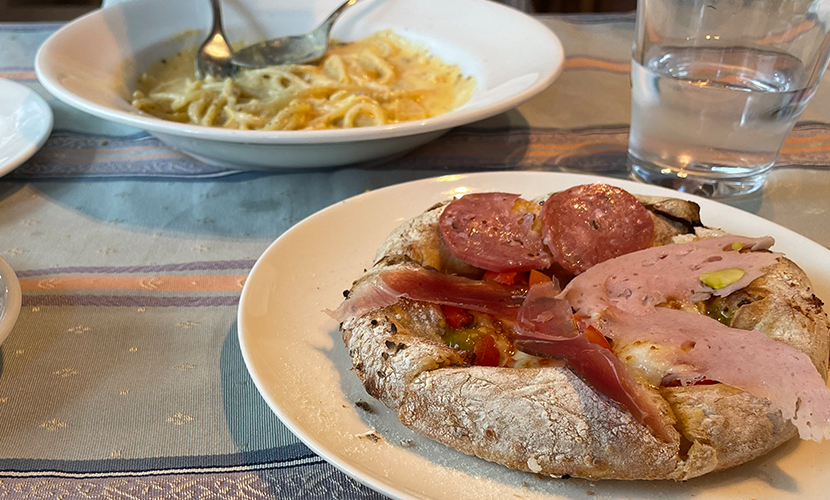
(92, 64)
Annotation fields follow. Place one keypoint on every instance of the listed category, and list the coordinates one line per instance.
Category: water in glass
(713, 112)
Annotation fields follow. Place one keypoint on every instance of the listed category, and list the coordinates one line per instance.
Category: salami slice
(592, 223)
(494, 232)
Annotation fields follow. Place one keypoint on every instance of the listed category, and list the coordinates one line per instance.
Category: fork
(214, 56)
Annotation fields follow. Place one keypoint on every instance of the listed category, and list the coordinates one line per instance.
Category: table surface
(123, 377)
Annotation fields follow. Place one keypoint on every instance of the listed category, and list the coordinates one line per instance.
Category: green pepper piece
(462, 339)
(723, 278)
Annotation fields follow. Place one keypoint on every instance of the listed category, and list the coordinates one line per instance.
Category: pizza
(590, 333)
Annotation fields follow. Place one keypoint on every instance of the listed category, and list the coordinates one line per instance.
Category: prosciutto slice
(545, 327)
(389, 286)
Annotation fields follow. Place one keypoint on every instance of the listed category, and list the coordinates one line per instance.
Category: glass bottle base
(709, 186)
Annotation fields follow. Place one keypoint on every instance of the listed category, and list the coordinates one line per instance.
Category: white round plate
(25, 124)
(296, 357)
(93, 62)
(10, 299)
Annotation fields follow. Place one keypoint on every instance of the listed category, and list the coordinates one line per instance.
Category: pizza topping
(364, 298)
(723, 310)
(722, 278)
(419, 284)
(438, 288)
(592, 223)
(485, 337)
(637, 282)
(486, 352)
(494, 231)
(535, 277)
(545, 327)
(594, 336)
(506, 278)
(457, 317)
(692, 348)
(626, 299)
(462, 339)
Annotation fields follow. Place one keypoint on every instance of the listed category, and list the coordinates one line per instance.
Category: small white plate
(92, 64)
(296, 357)
(10, 299)
(25, 124)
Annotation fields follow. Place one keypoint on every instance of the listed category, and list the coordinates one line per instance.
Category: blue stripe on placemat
(593, 18)
(29, 67)
(30, 27)
(75, 154)
(209, 265)
(474, 129)
(593, 129)
(128, 301)
(313, 480)
(288, 455)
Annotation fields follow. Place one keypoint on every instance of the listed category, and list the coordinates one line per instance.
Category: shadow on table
(293, 471)
(251, 423)
(243, 206)
(507, 142)
(252, 205)
(8, 189)
(751, 203)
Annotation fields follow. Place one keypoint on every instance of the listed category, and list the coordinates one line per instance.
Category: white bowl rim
(446, 121)
(44, 125)
(13, 299)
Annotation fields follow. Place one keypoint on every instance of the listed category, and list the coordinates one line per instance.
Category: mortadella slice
(637, 282)
(746, 359)
(419, 284)
(622, 298)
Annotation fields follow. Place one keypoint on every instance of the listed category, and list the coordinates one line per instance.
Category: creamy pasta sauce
(379, 80)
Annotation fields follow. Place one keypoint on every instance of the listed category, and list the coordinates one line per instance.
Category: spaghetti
(379, 80)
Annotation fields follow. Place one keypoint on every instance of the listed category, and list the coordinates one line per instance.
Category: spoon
(214, 56)
(290, 49)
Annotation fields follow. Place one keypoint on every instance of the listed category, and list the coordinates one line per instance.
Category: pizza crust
(420, 240)
(735, 425)
(547, 420)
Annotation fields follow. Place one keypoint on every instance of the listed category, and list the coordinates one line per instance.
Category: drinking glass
(716, 86)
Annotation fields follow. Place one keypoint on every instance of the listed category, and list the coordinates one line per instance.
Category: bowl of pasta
(398, 74)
